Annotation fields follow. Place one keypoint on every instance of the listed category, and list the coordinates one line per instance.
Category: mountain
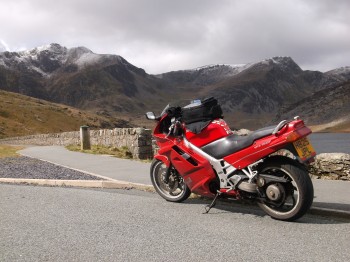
(199, 77)
(342, 73)
(250, 94)
(80, 78)
(327, 109)
(24, 115)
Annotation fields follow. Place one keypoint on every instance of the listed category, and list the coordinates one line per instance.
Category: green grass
(122, 152)
(9, 151)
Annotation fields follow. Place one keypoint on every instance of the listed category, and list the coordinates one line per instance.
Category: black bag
(208, 110)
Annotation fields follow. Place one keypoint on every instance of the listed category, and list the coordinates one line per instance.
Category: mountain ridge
(250, 94)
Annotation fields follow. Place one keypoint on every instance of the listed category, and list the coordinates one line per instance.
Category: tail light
(299, 133)
(294, 136)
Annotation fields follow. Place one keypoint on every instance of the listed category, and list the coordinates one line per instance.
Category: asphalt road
(110, 167)
(70, 224)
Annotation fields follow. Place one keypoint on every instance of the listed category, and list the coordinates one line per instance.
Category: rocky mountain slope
(251, 94)
(327, 109)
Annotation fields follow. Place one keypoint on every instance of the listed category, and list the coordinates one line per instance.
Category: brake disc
(173, 183)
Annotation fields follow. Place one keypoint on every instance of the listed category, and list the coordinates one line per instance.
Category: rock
(334, 166)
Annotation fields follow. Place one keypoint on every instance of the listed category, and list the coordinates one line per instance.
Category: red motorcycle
(199, 153)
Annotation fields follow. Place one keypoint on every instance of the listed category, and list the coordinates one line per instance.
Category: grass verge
(122, 152)
(9, 151)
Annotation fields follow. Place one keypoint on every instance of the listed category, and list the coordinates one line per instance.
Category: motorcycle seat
(233, 143)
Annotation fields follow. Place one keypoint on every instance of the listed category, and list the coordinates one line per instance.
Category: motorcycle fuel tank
(215, 130)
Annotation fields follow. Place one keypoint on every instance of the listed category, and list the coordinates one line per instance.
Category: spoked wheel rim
(174, 188)
(281, 198)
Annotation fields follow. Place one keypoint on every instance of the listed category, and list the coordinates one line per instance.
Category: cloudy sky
(165, 35)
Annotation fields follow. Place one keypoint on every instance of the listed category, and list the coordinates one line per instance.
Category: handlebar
(173, 129)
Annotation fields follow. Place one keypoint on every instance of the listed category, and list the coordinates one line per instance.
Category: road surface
(71, 224)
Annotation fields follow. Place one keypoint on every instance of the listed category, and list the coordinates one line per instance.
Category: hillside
(326, 110)
(23, 115)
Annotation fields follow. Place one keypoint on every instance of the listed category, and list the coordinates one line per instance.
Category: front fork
(167, 174)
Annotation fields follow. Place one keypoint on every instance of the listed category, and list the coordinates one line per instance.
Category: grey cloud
(160, 35)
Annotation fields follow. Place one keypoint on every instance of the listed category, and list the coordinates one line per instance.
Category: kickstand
(212, 204)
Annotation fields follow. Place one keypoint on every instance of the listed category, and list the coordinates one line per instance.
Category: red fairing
(215, 130)
(196, 170)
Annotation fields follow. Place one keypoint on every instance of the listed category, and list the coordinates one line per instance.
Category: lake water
(331, 142)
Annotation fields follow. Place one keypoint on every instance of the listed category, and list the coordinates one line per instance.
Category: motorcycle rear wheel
(295, 197)
(175, 190)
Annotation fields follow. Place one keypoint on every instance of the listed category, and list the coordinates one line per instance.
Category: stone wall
(137, 140)
(335, 166)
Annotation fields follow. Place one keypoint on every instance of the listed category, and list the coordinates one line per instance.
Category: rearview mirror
(150, 116)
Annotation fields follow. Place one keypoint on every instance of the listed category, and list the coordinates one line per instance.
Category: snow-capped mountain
(46, 60)
(211, 74)
(76, 77)
(342, 73)
(250, 94)
(254, 90)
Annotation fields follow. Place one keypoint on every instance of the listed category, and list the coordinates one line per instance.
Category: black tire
(300, 183)
(158, 169)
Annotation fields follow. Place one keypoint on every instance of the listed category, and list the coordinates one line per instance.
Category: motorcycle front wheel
(175, 189)
(286, 201)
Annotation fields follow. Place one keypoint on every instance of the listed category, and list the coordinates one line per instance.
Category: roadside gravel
(25, 167)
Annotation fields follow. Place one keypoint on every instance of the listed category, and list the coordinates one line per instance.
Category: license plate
(304, 149)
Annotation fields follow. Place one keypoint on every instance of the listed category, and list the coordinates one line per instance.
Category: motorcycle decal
(224, 125)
